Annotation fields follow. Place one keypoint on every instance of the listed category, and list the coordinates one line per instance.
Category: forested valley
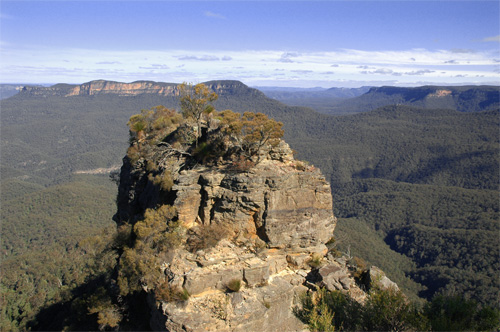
(415, 190)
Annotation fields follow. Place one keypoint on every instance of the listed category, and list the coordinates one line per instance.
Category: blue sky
(261, 43)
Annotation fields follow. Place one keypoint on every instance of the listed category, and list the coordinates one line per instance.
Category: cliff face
(252, 236)
(124, 89)
(98, 87)
(274, 201)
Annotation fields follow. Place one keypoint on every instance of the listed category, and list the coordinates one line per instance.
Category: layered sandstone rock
(276, 216)
(124, 89)
(98, 87)
(282, 206)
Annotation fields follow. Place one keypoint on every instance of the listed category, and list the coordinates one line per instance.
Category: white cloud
(287, 57)
(251, 66)
(199, 58)
(420, 72)
(155, 67)
(103, 62)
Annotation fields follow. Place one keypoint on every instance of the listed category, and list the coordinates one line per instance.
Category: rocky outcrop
(277, 203)
(271, 216)
(375, 277)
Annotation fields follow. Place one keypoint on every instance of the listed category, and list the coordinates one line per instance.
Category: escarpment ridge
(105, 87)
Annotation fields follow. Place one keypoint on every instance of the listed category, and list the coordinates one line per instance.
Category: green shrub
(165, 292)
(315, 261)
(205, 237)
(360, 268)
(315, 311)
(134, 154)
(384, 310)
(164, 180)
(234, 285)
(390, 310)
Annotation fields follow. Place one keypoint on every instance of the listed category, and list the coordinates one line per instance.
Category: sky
(261, 43)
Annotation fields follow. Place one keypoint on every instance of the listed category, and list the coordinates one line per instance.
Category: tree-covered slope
(50, 237)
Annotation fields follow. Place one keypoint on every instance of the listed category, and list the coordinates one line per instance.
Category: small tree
(251, 131)
(258, 130)
(195, 103)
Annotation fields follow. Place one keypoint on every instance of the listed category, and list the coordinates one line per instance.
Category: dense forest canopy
(419, 183)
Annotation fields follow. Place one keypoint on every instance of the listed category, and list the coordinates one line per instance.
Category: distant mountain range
(328, 101)
(364, 99)
(283, 94)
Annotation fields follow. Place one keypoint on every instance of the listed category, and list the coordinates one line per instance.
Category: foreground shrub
(315, 261)
(234, 285)
(205, 237)
(167, 293)
(384, 310)
(390, 310)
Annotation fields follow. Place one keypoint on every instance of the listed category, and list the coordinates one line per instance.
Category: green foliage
(195, 103)
(137, 268)
(315, 261)
(384, 310)
(158, 228)
(165, 180)
(356, 237)
(454, 313)
(157, 233)
(234, 285)
(251, 131)
(207, 152)
(242, 164)
(165, 292)
(56, 214)
(154, 123)
(39, 279)
(424, 157)
(389, 310)
(258, 130)
(360, 267)
(316, 312)
(108, 313)
(195, 100)
(148, 128)
(444, 230)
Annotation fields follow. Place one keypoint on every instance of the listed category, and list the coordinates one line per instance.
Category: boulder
(334, 277)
